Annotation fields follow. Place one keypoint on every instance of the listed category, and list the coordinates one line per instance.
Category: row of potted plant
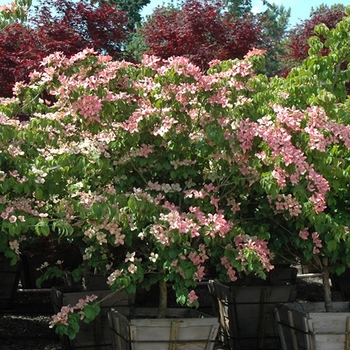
(157, 172)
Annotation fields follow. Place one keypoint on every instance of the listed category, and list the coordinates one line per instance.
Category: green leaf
(332, 245)
(73, 330)
(181, 299)
(215, 133)
(91, 311)
(42, 227)
(339, 270)
(38, 193)
(347, 10)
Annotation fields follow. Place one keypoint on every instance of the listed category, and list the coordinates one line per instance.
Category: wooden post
(292, 330)
(327, 286)
(174, 335)
(347, 333)
(163, 299)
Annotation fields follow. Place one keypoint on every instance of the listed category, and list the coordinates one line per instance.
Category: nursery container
(307, 326)
(181, 329)
(246, 314)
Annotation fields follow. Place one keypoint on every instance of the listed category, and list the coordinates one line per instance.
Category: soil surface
(25, 325)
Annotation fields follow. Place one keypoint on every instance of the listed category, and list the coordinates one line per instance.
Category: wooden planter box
(306, 326)
(95, 335)
(246, 314)
(182, 329)
(9, 279)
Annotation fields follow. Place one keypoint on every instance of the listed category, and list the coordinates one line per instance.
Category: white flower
(132, 268)
(142, 235)
(130, 257)
(153, 257)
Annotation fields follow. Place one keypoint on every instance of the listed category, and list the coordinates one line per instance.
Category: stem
(108, 296)
(327, 286)
(86, 273)
(337, 71)
(140, 174)
(163, 299)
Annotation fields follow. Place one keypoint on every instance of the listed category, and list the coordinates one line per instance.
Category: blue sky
(300, 9)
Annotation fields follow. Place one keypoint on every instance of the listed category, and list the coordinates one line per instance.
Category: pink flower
(304, 234)
(214, 63)
(166, 125)
(316, 239)
(89, 107)
(12, 219)
(145, 150)
(257, 247)
(192, 297)
(215, 202)
(228, 266)
(246, 134)
(254, 52)
(151, 61)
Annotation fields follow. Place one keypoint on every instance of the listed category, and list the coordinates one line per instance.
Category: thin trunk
(86, 273)
(327, 286)
(163, 299)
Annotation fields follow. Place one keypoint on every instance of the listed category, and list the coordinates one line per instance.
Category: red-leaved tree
(297, 46)
(200, 31)
(58, 25)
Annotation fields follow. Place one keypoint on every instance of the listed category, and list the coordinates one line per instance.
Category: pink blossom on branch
(304, 234)
(230, 270)
(192, 297)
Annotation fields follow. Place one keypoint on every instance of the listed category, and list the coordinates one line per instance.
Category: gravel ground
(26, 325)
(311, 289)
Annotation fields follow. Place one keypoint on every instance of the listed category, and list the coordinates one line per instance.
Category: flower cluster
(257, 249)
(304, 234)
(66, 320)
(285, 203)
(231, 272)
(63, 316)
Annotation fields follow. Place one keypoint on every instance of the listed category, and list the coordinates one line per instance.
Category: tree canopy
(297, 46)
(200, 31)
(133, 9)
(58, 25)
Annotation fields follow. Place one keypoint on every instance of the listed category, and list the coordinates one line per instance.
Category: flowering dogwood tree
(130, 163)
(157, 170)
